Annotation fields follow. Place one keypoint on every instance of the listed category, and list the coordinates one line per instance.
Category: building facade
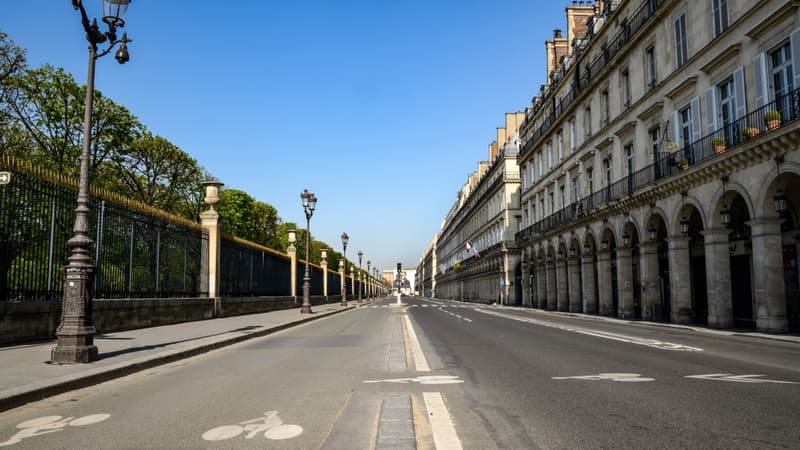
(475, 250)
(425, 276)
(660, 165)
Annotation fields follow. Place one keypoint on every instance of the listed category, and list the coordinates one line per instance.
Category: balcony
(555, 107)
(785, 108)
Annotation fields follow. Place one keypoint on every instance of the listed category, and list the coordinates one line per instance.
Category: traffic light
(399, 267)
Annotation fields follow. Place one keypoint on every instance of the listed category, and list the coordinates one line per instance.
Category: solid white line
(416, 350)
(444, 433)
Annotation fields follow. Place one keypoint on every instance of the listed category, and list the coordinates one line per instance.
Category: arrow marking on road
(620, 377)
(738, 378)
(425, 379)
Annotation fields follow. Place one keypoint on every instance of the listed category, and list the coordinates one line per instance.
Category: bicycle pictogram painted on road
(270, 424)
(51, 424)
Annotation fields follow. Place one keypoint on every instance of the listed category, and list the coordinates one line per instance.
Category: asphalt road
(507, 379)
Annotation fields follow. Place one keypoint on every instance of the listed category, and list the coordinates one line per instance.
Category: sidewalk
(25, 375)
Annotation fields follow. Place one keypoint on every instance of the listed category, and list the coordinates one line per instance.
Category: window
(607, 167)
(563, 197)
(650, 67)
(552, 203)
(587, 121)
(629, 156)
(560, 145)
(572, 135)
(541, 165)
(589, 180)
(782, 76)
(604, 109)
(625, 87)
(681, 44)
(727, 106)
(524, 176)
(655, 141)
(542, 212)
(719, 11)
(549, 146)
(576, 193)
(685, 125)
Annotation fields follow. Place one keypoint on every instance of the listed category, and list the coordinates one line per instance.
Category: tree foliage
(245, 217)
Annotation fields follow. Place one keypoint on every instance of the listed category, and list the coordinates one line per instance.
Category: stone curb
(15, 397)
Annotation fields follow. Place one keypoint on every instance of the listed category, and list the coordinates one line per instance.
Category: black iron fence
(784, 109)
(137, 252)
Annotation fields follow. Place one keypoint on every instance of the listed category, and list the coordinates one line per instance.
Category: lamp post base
(306, 308)
(76, 332)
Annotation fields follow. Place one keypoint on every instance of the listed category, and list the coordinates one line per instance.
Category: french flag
(468, 247)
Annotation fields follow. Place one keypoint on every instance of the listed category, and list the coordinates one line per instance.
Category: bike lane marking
(270, 424)
(738, 378)
(444, 433)
(416, 350)
(601, 334)
(50, 424)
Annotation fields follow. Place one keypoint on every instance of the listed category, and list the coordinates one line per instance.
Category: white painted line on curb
(416, 350)
(444, 433)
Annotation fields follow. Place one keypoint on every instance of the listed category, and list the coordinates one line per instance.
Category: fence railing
(784, 109)
(137, 253)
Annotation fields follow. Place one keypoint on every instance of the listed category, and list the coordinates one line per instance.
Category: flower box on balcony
(750, 132)
(719, 144)
(773, 119)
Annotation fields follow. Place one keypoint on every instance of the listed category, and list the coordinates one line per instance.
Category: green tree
(156, 172)
(247, 218)
(12, 63)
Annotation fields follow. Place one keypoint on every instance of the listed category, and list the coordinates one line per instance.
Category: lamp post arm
(111, 46)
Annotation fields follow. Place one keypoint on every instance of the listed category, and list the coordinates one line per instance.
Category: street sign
(5, 177)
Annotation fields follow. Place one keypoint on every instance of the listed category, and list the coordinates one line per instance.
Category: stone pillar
(526, 285)
(353, 283)
(292, 251)
(604, 283)
(552, 295)
(562, 284)
(651, 292)
(574, 274)
(324, 265)
(680, 281)
(210, 222)
(589, 299)
(625, 282)
(541, 286)
(768, 282)
(718, 277)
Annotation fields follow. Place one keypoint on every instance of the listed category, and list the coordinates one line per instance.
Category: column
(292, 251)
(625, 282)
(324, 264)
(680, 282)
(651, 294)
(210, 222)
(589, 299)
(343, 289)
(561, 283)
(526, 283)
(574, 274)
(541, 285)
(768, 283)
(604, 283)
(552, 296)
(718, 278)
(352, 283)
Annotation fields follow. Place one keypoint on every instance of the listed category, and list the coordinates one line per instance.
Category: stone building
(475, 250)
(660, 171)
(426, 277)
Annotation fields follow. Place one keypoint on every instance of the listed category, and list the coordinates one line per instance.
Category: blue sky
(381, 109)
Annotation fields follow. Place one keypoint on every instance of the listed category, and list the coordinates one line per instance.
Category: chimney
(501, 136)
(578, 15)
(556, 48)
(493, 152)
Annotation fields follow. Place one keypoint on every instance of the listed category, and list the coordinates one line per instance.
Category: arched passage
(629, 275)
(607, 274)
(655, 271)
(790, 238)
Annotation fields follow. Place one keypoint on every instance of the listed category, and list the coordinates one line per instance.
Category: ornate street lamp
(345, 239)
(780, 198)
(76, 331)
(626, 239)
(651, 230)
(586, 248)
(369, 291)
(725, 215)
(360, 279)
(684, 226)
(309, 204)
(604, 243)
(572, 252)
